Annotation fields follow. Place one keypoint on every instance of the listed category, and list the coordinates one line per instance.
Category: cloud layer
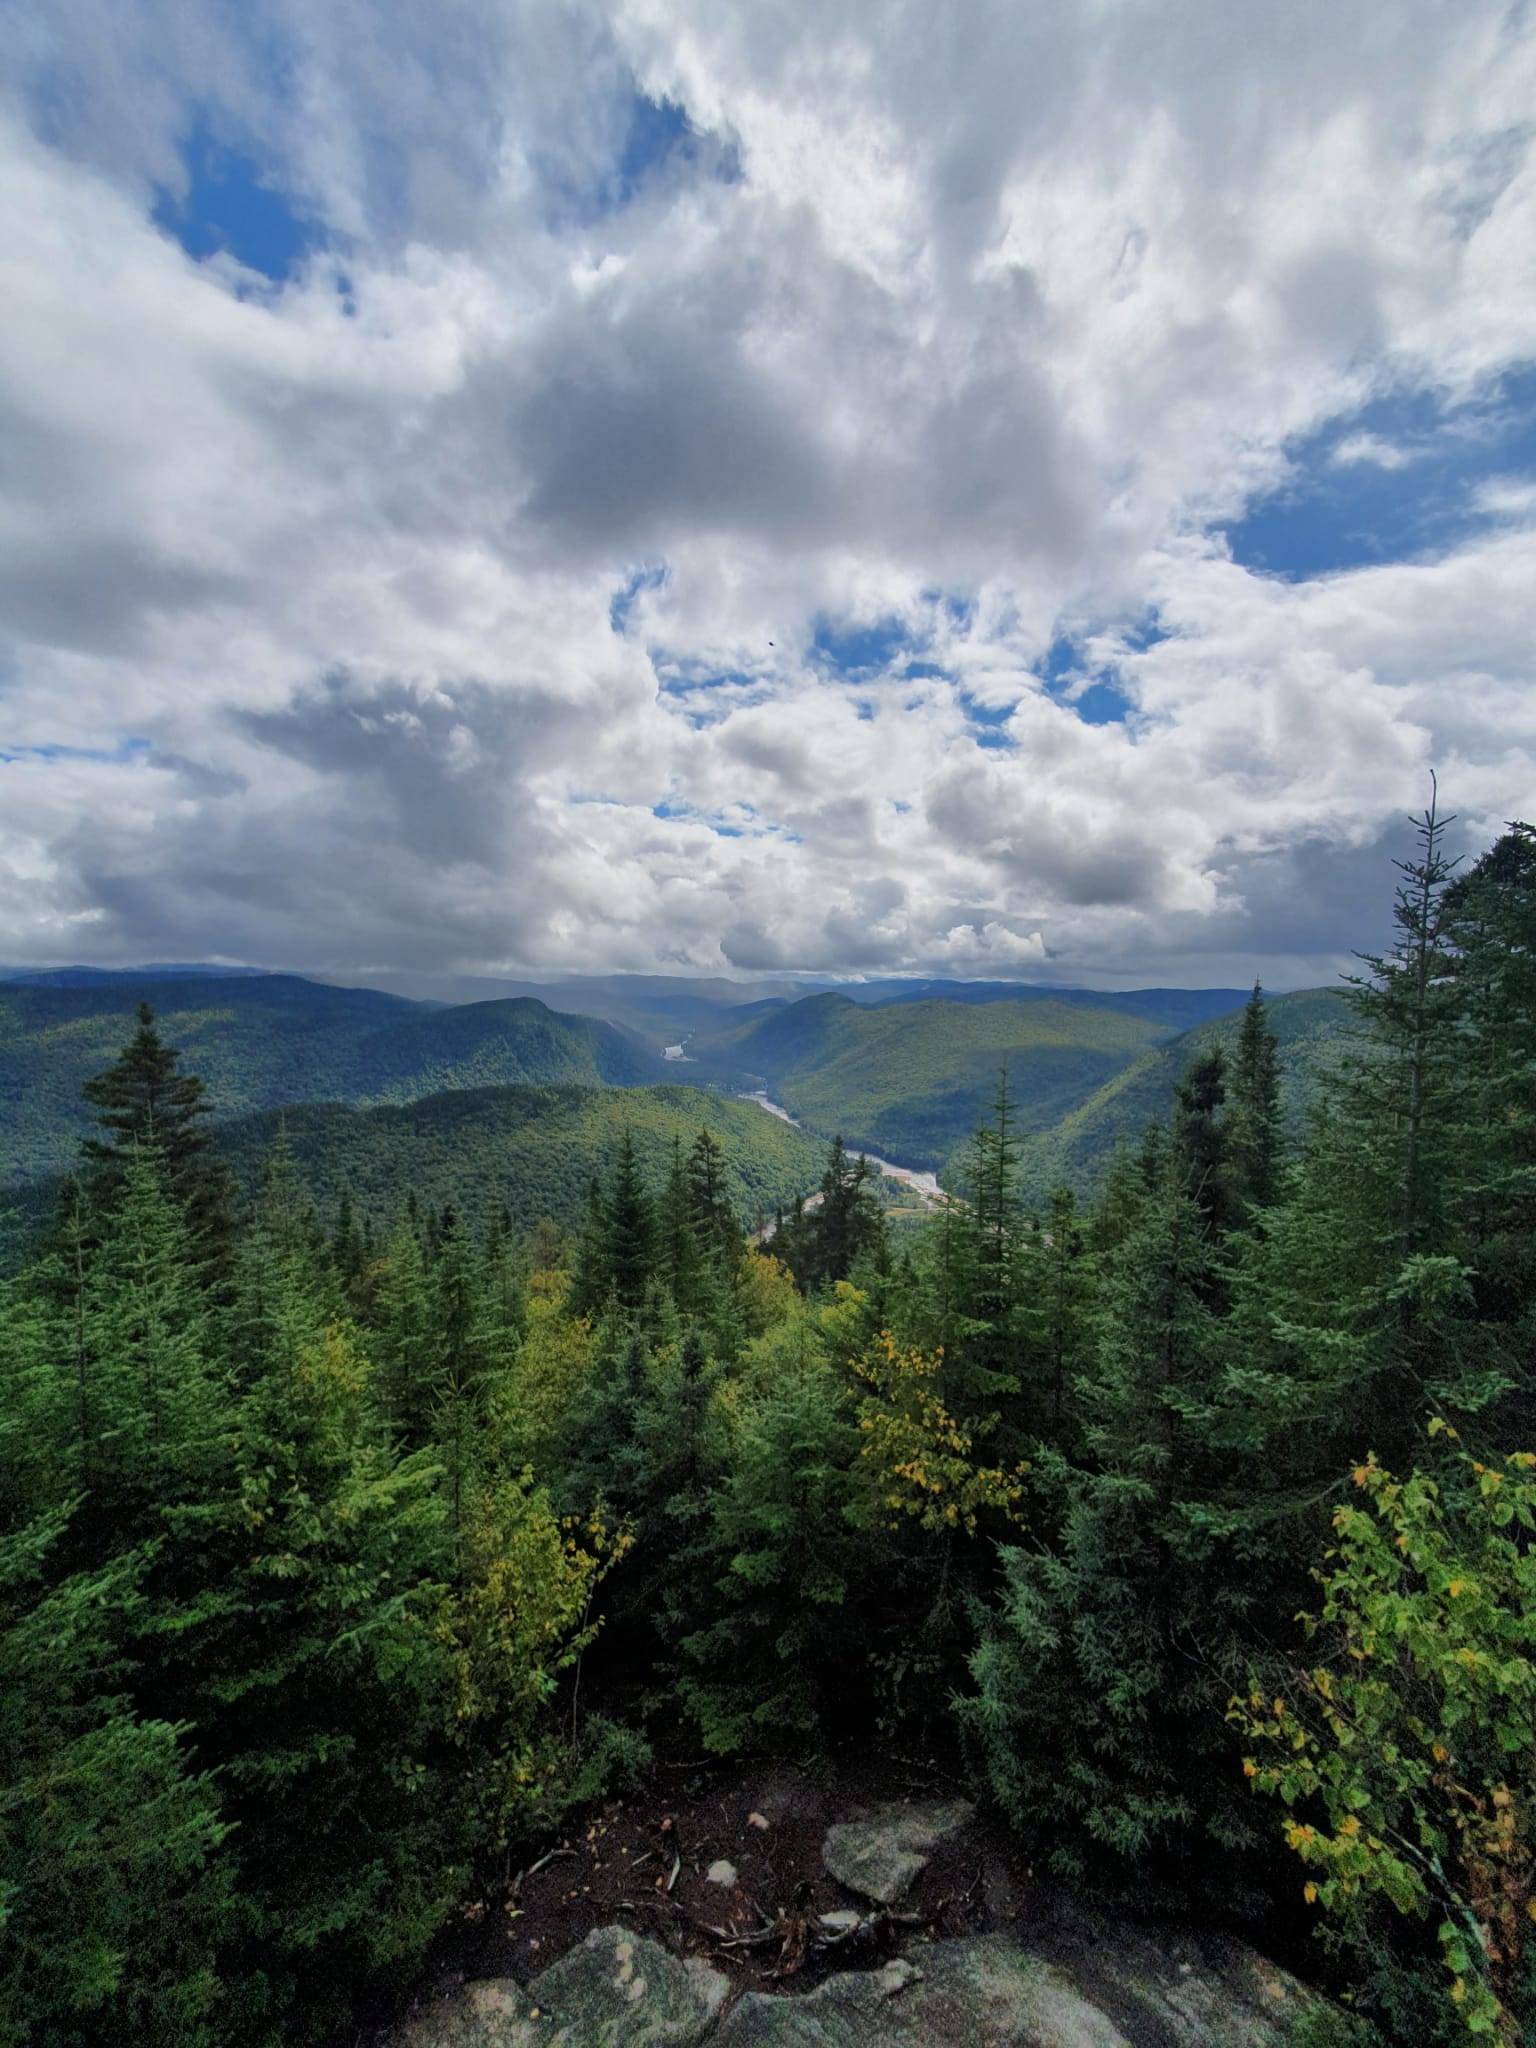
(714, 488)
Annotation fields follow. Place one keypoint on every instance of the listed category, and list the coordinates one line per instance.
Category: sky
(994, 491)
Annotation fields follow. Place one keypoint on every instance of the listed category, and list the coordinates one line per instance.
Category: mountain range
(905, 1069)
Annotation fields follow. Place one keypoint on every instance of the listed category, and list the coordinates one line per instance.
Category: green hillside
(1309, 1026)
(273, 1039)
(911, 1080)
(533, 1149)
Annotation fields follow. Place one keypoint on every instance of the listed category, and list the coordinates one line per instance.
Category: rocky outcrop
(1085, 1983)
(617, 1990)
(880, 1856)
(985, 1993)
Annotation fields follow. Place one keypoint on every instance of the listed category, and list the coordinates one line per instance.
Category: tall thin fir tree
(1253, 1110)
(1409, 1002)
(631, 1230)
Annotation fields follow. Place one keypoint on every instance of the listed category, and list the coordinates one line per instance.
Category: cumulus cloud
(643, 527)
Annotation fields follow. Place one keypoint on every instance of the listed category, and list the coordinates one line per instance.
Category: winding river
(924, 1185)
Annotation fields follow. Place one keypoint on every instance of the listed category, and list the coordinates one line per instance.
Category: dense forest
(275, 1039)
(344, 1544)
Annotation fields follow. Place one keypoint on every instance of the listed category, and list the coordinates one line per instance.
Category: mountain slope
(1176, 1008)
(910, 1080)
(274, 1039)
(1310, 1027)
(533, 1149)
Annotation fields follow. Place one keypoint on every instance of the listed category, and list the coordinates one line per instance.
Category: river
(924, 1185)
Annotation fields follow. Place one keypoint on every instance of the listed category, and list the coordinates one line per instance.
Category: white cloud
(1371, 450)
(999, 314)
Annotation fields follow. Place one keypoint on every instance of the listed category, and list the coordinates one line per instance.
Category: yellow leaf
(1309, 1893)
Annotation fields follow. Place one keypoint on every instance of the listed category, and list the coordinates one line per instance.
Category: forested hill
(267, 1040)
(533, 1151)
(1309, 1026)
(911, 1080)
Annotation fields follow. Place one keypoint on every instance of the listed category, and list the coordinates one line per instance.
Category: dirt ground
(642, 1862)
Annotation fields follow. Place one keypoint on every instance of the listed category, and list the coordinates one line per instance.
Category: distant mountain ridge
(906, 1070)
(911, 1080)
(263, 1041)
(1311, 1026)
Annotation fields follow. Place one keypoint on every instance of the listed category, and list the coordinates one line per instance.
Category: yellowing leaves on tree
(1431, 1598)
(911, 1437)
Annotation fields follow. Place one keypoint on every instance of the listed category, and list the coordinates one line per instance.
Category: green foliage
(1077, 1148)
(493, 1453)
(271, 1040)
(113, 1893)
(531, 1151)
(910, 1080)
(1410, 1735)
(781, 1555)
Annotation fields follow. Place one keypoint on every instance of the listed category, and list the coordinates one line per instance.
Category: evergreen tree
(403, 1341)
(591, 1271)
(631, 1231)
(1253, 1111)
(1095, 1715)
(142, 1104)
(716, 1226)
(821, 1245)
(1406, 1091)
(677, 1244)
(1199, 1141)
(115, 1891)
(1490, 927)
(782, 1559)
(1058, 1290)
(157, 1407)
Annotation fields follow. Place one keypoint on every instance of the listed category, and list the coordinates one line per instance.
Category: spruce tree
(679, 1258)
(631, 1231)
(403, 1339)
(143, 1103)
(1199, 1140)
(716, 1226)
(1100, 1676)
(1253, 1111)
(1490, 925)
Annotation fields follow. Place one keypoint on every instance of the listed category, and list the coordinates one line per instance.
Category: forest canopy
(350, 1534)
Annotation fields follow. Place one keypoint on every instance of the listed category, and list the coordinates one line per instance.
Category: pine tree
(403, 1341)
(630, 1229)
(114, 1887)
(157, 1405)
(143, 1103)
(679, 1258)
(1096, 1717)
(591, 1276)
(822, 1244)
(459, 1371)
(1407, 1088)
(1490, 926)
(783, 1560)
(1199, 1141)
(1058, 1290)
(1253, 1111)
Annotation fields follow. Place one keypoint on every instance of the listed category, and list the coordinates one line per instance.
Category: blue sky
(228, 208)
(490, 489)
(1395, 480)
